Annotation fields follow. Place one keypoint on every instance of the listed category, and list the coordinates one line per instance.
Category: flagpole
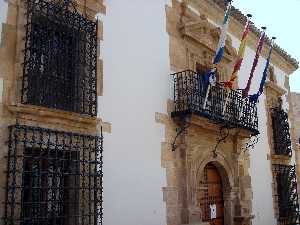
(238, 63)
(227, 92)
(219, 53)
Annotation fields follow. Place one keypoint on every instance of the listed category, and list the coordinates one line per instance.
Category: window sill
(62, 119)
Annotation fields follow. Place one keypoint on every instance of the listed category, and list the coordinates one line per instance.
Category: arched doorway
(210, 196)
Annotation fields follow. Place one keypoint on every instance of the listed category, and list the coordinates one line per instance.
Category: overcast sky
(282, 19)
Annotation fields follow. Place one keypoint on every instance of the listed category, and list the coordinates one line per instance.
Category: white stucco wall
(3, 14)
(136, 85)
(260, 168)
(135, 51)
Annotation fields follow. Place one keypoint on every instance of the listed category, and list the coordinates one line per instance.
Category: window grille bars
(60, 58)
(287, 194)
(53, 177)
(281, 132)
(189, 97)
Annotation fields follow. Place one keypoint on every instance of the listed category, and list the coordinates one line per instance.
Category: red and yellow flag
(241, 53)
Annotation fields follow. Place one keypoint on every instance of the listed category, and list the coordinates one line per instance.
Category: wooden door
(210, 196)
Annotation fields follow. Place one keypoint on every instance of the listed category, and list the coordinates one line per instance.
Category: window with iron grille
(281, 132)
(287, 195)
(53, 177)
(60, 62)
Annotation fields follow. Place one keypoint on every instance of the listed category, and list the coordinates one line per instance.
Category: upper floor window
(281, 132)
(60, 62)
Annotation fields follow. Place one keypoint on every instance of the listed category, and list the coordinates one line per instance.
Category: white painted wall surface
(261, 173)
(3, 14)
(136, 85)
(260, 168)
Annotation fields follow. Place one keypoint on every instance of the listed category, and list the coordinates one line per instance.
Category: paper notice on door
(213, 211)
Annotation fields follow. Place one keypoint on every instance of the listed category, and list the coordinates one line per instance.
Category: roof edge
(240, 17)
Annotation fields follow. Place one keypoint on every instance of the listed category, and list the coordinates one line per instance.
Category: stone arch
(226, 171)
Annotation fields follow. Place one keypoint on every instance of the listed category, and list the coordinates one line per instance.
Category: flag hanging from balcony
(241, 53)
(254, 97)
(255, 62)
(210, 76)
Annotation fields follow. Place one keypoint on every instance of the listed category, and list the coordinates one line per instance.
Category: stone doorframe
(226, 171)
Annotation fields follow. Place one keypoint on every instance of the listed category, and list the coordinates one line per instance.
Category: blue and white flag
(210, 76)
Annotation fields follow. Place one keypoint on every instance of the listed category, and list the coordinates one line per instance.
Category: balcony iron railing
(281, 132)
(287, 194)
(189, 97)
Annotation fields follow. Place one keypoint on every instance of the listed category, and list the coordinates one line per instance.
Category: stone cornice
(271, 85)
(214, 10)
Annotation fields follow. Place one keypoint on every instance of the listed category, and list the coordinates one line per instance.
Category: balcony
(189, 99)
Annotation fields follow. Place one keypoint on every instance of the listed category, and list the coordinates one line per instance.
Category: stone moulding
(204, 33)
(52, 116)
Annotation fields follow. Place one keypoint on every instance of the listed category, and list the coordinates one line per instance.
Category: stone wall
(11, 109)
(295, 97)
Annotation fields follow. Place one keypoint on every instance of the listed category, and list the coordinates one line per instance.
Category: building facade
(296, 109)
(51, 137)
(70, 70)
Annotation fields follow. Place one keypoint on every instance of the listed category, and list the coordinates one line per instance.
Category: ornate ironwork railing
(281, 132)
(189, 97)
(53, 177)
(287, 195)
(60, 58)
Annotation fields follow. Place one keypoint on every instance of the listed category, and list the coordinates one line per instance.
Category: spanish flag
(241, 53)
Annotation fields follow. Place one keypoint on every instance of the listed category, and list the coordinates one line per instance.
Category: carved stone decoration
(273, 92)
(271, 75)
(206, 34)
(193, 43)
(201, 38)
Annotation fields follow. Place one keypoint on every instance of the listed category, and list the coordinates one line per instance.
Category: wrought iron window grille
(287, 194)
(281, 132)
(53, 177)
(60, 58)
(189, 97)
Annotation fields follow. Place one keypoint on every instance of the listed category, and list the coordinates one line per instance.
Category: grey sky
(282, 18)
